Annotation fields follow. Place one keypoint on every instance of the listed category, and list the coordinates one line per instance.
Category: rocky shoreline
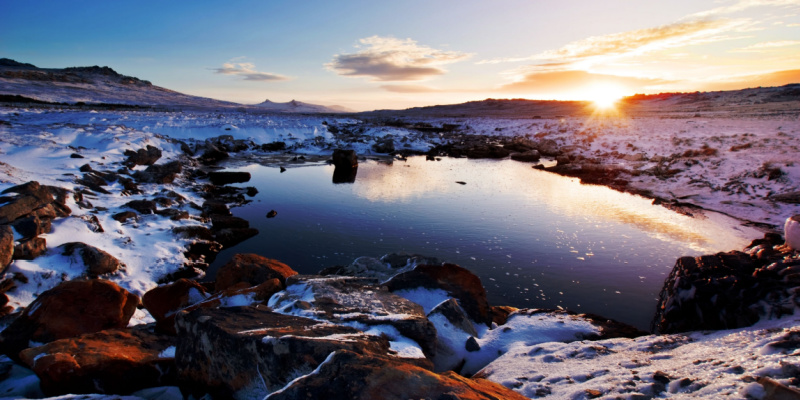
(400, 327)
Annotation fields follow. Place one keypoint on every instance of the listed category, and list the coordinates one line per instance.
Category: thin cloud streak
(768, 46)
(248, 72)
(391, 59)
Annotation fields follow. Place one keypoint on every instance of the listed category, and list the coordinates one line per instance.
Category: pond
(536, 239)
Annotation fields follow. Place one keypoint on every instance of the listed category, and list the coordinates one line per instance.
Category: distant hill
(103, 85)
(295, 106)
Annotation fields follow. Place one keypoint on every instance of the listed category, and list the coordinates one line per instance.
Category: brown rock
(344, 158)
(31, 196)
(159, 173)
(458, 282)
(142, 206)
(219, 222)
(226, 350)
(164, 301)
(528, 156)
(252, 269)
(111, 361)
(29, 249)
(32, 226)
(500, 314)
(68, 310)
(6, 247)
(97, 261)
(125, 216)
(146, 156)
(346, 375)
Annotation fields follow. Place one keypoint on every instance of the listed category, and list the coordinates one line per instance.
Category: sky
(368, 55)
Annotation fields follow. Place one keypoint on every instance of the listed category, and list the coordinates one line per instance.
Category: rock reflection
(344, 174)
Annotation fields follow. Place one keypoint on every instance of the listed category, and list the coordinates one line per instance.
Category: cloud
(409, 89)
(767, 46)
(248, 71)
(744, 5)
(391, 59)
(574, 81)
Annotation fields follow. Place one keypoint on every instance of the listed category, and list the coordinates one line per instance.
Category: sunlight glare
(604, 96)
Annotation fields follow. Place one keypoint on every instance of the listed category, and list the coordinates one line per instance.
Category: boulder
(125, 216)
(226, 177)
(347, 375)
(97, 261)
(528, 156)
(458, 282)
(344, 158)
(111, 361)
(227, 350)
(164, 301)
(32, 226)
(232, 236)
(453, 327)
(6, 247)
(142, 206)
(212, 154)
(547, 147)
(487, 151)
(159, 173)
(146, 156)
(251, 269)
(385, 145)
(68, 310)
(219, 222)
(349, 299)
(30, 196)
(29, 249)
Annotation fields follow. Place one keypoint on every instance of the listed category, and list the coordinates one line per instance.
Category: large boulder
(112, 361)
(6, 247)
(344, 159)
(97, 262)
(32, 226)
(164, 301)
(347, 375)
(29, 197)
(458, 282)
(70, 309)
(252, 270)
(252, 348)
(355, 300)
(146, 156)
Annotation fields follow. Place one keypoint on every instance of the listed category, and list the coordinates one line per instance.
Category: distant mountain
(295, 106)
(94, 85)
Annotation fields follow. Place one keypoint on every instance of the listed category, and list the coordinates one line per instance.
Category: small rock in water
(283, 169)
(272, 214)
(461, 182)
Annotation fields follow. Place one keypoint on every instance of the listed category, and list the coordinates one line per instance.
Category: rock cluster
(730, 290)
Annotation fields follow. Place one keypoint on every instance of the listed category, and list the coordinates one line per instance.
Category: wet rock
(213, 154)
(227, 350)
(215, 207)
(111, 361)
(458, 282)
(159, 173)
(227, 177)
(344, 174)
(528, 156)
(351, 299)
(520, 145)
(6, 247)
(251, 269)
(164, 301)
(547, 147)
(203, 251)
(125, 216)
(142, 206)
(345, 159)
(272, 214)
(487, 151)
(219, 222)
(68, 310)
(347, 375)
(29, 249)
(146, 156)
(97, 261)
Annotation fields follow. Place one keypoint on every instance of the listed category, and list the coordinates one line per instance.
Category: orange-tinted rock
(164, 301)
(6, 247)
(500, 314)
(68, 310)
(347, 375)
(252, 269)
(458, 282)
(98, 262)
(112, 361)
(260, 292)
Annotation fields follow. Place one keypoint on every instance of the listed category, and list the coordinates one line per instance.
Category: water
(534, 238)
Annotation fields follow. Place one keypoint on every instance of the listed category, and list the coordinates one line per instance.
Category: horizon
(365, 56)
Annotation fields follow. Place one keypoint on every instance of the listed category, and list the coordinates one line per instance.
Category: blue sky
(367, 54)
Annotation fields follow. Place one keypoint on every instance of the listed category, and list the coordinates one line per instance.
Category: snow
(427, 298)
(792, 232)
(169, 352)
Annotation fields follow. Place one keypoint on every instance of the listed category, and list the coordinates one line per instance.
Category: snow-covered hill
(295, 106)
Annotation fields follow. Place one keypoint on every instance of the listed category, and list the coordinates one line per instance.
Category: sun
(603, 96)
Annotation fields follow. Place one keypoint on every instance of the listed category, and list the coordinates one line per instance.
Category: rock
(68, 310)
(251, 269)
(193, 232)
(385, 145)
(528, 156)
(212, 154)
(163, 173)
(29, 249)
(203, 250)
(232, 236)
(520, 145)
(31, 196)
(547, 147)
(347, 375)
(75, 155)
(472, 345)
(500, 314)
(344, 174)
(345, 159)
(636, 157)
(142, 206)
(32, 226)
(458, 282)
(111, 361)
(272, 214)
(452, 328)
(789, 197)
(219, 222)
(6, 247)
(792, 231)
(226, 177)
(227, 350)
(164, 301)
(97, 261)
(173, 214)
(125, 216)
(382, 269)
(215, 207)
(274, 146)
(350, 299)
(146, 156)
(487, 151)
(455, 316)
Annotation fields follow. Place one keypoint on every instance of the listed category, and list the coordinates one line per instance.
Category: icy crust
(711, 365)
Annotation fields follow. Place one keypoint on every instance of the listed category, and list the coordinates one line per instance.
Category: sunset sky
(367, 54)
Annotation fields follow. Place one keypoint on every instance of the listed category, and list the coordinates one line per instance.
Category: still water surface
(534, 238)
